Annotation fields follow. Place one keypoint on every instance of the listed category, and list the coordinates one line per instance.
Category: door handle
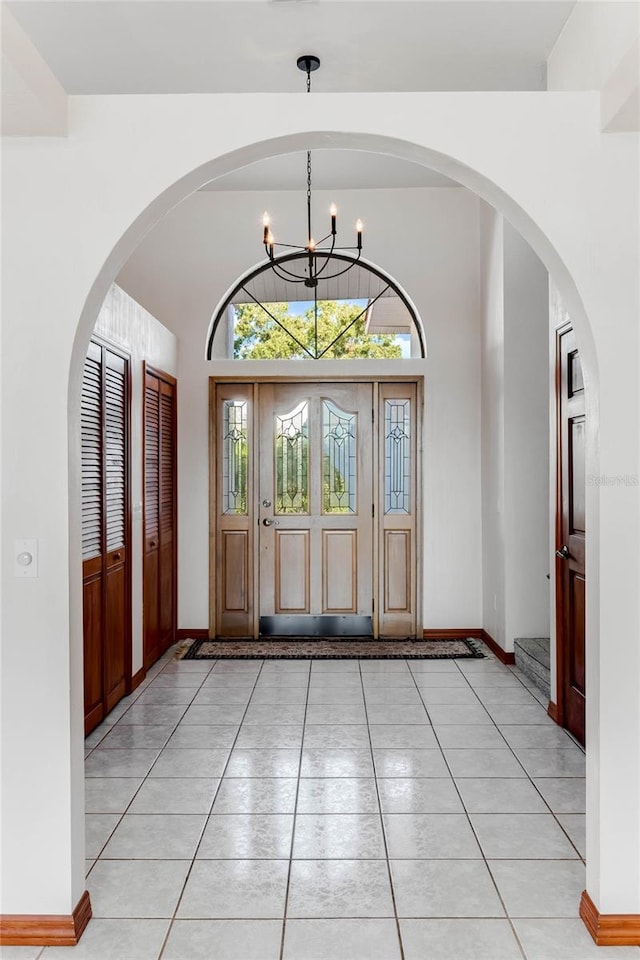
(268, 522)
(563, 552)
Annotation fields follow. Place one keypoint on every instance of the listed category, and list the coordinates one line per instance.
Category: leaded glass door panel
(315, 508)
(399, 560)
(233, 524)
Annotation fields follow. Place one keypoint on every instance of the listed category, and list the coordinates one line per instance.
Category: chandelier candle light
(319, 254)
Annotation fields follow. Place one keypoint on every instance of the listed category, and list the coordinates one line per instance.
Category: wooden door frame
(558, 710)
(418, 380)
(147, 368)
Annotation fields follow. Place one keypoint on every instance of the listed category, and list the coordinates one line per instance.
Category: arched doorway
(570, 292)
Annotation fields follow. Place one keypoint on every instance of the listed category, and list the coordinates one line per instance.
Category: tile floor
(333, 810)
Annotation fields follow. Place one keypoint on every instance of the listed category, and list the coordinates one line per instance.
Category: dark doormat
(330, 648)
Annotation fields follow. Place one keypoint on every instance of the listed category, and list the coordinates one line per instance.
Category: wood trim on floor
(457, 634)
(552, 711)
(610, 929)
(34, 930)
(504, 656)
(199, 633)
(137, 679)
(476, 633)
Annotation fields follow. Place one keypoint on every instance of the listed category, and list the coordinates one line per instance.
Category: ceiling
(209, 46)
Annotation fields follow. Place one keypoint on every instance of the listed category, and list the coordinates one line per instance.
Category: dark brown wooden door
(570, 536)
(92, 536)
(105, 531)
(151, 517)
(117, 617)
(159, 514)
(166, 516)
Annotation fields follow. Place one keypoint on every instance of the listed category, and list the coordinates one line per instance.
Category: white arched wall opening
(490, 192)
(543, 169)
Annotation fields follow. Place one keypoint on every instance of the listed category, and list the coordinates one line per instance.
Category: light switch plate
(25, 559)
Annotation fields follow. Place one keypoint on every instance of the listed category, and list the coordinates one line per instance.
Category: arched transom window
(361, 313)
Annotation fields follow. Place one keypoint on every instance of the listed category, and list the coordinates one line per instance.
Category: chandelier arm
(327, 256)
(296, 246)
(332, 276)
(303, 250)
(286, 274)
(370, 303)
(281, 325)
(283, 274)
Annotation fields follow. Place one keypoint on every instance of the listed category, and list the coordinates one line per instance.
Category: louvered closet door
(92, 535)
(105, 512)
(159, 515)
(166, 466)
(151, 518)
(116, 594)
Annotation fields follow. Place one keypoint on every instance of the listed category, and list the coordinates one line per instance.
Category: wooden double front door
(314, 509)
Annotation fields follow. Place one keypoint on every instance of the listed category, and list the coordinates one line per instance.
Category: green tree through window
(257, 336)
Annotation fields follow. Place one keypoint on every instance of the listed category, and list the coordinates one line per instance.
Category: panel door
(570, 556)
(233, 445)
(315, 509)
(399, 509)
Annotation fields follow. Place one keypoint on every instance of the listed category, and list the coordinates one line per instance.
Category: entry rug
(325, 648)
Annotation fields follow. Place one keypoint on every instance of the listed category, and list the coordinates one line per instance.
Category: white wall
(492, 327)
(599, 49)
(592, 43)
(427, 240)
(126, 324)
(73, 211)
(515, 437)
(526, 426)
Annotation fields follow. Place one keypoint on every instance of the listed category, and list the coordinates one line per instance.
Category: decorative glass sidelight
(291, 438)
(339, 469)
(235, 456)
(397, 456)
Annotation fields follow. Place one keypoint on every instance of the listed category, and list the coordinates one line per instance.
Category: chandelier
(318, 256)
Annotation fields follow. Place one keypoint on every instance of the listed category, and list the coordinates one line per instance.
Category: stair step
(533, 657)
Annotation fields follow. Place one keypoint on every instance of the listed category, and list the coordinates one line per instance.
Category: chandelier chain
(309, 169)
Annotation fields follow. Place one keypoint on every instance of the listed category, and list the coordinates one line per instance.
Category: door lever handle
(563, 552)
(268, 522)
